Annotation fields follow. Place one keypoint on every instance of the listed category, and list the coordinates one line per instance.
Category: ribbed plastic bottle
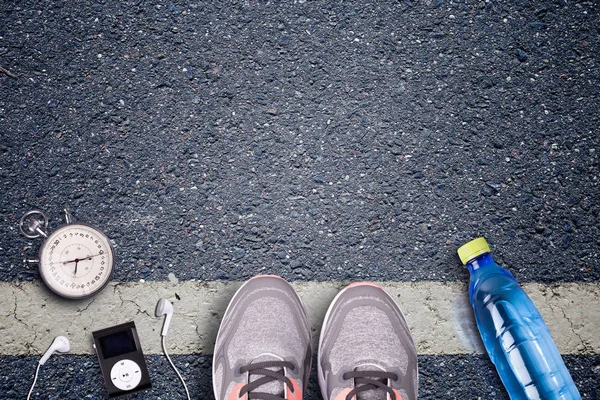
(513, 332)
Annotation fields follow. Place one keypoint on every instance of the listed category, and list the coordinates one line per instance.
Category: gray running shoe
(263, 348)
(366, 351)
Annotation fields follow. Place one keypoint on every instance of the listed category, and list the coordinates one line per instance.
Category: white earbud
(60, 344)
(164, 307)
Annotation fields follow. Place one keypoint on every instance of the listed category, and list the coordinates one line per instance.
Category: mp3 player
(121, 360)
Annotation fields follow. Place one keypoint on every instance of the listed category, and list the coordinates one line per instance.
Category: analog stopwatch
(75, 261)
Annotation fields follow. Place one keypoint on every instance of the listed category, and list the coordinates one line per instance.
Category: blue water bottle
(515, 335)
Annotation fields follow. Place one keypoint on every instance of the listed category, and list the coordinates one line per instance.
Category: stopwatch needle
(95, 255)
(80, 259)
(76, 261)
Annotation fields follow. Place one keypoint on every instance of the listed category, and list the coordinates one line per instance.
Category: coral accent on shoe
(235, 393)
(297, 395)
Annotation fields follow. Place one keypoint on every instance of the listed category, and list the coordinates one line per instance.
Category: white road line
(439, 314)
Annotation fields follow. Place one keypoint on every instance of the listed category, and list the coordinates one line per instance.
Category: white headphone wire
(37, 370)
(174, 368)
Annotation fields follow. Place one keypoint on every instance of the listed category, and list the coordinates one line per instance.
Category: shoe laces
(268, 375)
(370, 380)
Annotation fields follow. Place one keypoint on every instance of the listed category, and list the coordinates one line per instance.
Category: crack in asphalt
(139, 309)
(30, 345)
(88, 306)
(118, 292)
(15, 310)
(586, 346)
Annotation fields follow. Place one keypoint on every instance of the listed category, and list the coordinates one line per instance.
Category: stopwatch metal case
(33, 224)
(36, 219)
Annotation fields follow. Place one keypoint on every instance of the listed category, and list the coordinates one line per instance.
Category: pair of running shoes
(264, 347)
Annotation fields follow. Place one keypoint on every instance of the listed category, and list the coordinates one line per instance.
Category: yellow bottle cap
(474, 248)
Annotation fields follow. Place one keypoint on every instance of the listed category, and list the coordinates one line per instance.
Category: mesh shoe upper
(265, 325)
(365, 331)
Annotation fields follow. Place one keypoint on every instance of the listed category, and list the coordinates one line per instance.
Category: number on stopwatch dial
(76, 261)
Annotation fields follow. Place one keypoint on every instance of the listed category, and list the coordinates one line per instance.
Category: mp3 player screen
(117, 344)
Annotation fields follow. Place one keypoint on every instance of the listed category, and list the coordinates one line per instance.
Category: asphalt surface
(445, 377)
(319, 141)
(314, 140)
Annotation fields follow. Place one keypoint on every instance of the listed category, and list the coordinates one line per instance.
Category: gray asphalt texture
(314, 140)
(440, 377)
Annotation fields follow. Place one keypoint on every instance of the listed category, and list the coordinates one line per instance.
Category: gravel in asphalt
(446, 377)
(316, 141)
(321, 141)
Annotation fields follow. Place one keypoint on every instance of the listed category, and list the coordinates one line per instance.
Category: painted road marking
(439, 314)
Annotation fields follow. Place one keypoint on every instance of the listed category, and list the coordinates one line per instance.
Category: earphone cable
(174, 368)
(37, 370)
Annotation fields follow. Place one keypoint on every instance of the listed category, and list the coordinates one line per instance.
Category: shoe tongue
(374, 394)
(274, 387)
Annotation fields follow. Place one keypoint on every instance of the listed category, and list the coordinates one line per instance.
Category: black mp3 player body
(121, 360)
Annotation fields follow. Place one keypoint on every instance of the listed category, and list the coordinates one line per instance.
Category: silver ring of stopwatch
(75, 261)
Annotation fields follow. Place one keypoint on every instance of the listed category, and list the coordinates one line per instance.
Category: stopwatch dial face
(76, 261)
